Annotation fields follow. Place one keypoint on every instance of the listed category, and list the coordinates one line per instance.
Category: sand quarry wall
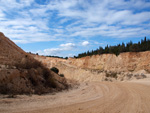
(129, 61)
(97, 67)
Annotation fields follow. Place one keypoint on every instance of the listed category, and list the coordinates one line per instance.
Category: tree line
(143, 45)
(57, 57)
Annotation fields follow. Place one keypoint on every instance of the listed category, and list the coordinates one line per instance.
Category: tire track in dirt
(96, 97)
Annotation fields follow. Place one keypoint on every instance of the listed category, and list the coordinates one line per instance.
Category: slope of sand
(93, 97)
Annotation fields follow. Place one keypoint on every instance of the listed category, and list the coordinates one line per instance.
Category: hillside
(105, 67)
(127, 62)
(20, 73)
(10, 52)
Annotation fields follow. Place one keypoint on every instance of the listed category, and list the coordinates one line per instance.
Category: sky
(69, 27)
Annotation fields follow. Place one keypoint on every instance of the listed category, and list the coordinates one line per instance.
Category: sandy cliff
(104, 67)
(48, 61)
(130, 61)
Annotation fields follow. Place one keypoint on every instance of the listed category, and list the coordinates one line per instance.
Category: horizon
(66, 28)
(77, 56)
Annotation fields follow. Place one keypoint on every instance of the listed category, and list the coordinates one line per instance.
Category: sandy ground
(93, 97)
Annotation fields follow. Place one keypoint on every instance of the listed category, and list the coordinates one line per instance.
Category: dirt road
(94, 97)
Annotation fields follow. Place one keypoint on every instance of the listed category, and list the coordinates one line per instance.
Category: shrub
(28, 64)
(54, 69)
(51, 82)
(46, 72)
(111, 74)
(4, 89)
(31, 76)
(61, 75)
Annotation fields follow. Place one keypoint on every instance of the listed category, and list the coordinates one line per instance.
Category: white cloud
(14, 4)
(24, 26)
(68, 45)
(119, 18)
(85, 43)
(98, 11)
(26, 21)
(58, 51)
(1, 14)
(53, 51)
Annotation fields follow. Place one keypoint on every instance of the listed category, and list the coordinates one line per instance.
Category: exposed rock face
(106, 67)
(128, 62)
(20, 73)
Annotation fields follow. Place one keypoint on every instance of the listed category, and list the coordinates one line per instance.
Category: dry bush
(28, 63)
(111, 74)
(61, 75)
(29, 77)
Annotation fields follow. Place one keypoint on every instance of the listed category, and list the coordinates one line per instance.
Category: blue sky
(68, 27)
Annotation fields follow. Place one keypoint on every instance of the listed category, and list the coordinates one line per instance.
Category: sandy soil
(93, 97)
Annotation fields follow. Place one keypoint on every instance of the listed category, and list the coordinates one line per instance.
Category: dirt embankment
(20, 73)
(128, 62)
(106, 67)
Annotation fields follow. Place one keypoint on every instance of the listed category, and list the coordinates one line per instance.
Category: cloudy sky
(68, 27)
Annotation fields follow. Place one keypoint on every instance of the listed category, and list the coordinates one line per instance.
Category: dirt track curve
(94, 97)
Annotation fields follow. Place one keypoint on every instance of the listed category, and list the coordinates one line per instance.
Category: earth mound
(20, 73)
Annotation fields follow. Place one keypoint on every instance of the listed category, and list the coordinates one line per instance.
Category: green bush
(61, 75)
(54, 69)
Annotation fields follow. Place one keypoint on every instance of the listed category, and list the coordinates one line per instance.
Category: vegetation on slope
(56, 70)
(30, 76)
(143, 45)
